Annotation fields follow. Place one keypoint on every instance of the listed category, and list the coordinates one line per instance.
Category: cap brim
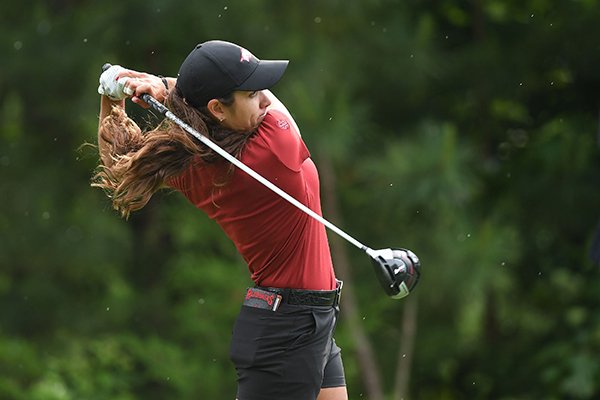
(265, 76)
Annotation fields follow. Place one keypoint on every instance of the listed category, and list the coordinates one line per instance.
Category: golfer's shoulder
(277, 122)
(279, 137)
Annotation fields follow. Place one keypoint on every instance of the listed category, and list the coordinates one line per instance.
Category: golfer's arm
(276, 104)
(106, 105)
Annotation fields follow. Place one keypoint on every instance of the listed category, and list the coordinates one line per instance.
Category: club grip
(157, 105)
(106, 66)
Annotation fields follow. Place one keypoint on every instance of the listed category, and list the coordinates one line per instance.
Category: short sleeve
(283, 140)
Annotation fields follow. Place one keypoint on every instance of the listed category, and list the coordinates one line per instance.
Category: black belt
(270, 297)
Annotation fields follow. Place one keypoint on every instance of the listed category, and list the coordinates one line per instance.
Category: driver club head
(397, 269)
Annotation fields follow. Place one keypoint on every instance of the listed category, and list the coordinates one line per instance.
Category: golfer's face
(247, 111)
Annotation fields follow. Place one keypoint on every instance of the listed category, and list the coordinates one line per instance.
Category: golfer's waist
(306, 297)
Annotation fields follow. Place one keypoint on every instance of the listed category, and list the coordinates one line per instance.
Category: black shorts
(286, 354)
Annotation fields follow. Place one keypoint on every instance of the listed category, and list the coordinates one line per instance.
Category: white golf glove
(111, 87)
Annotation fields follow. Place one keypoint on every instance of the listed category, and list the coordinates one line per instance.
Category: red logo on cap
(246, 55)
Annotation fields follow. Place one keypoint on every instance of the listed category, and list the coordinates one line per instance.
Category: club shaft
(168, 114)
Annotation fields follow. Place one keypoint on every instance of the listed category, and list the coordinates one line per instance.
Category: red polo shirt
(282, 246)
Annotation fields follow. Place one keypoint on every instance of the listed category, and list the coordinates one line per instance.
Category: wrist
(164, 81)
(108, 100)
(166, 85)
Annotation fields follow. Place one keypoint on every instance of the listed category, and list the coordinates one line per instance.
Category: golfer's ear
(215, 107)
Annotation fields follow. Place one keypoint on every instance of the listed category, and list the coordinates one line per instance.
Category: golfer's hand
(137, 83)
(110, 84)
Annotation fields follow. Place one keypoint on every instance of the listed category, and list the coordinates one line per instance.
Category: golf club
(397, 269)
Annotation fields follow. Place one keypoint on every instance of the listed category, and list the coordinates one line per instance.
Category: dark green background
(466, 131)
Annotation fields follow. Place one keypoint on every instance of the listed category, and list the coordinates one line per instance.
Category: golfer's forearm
(106, 106)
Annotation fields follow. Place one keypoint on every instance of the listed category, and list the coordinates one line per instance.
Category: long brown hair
(141, 162)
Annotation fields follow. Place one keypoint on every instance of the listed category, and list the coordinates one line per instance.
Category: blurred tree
(465, 131)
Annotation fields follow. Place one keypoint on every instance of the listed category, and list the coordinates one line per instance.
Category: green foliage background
(464, 130)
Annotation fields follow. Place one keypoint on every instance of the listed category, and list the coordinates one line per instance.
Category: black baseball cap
(216, 68)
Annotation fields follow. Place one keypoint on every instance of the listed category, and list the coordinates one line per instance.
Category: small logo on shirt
(283, 124)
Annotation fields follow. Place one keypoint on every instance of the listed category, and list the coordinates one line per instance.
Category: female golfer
(282, 345)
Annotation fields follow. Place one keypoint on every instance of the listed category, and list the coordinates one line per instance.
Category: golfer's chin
(249, 126)
(259, 121)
